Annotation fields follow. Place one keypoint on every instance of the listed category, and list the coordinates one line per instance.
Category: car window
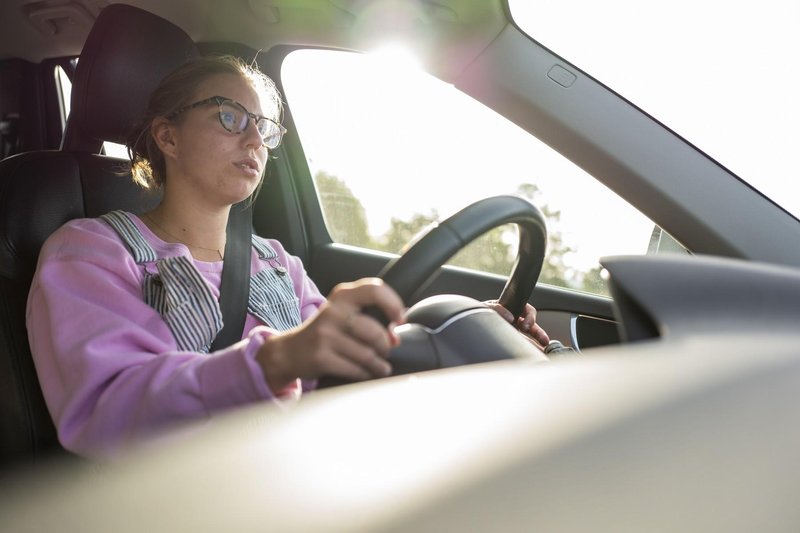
(392, 149)
(64, 86)
(715, 72)
(64, 89)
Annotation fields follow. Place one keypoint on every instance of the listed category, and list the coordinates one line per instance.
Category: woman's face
(208, 164)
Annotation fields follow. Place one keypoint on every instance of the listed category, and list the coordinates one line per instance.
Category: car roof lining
(447, 33)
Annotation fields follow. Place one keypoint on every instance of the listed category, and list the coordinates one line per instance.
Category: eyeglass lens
(234, 118)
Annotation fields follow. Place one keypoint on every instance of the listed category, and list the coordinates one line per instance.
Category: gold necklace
(218, 251)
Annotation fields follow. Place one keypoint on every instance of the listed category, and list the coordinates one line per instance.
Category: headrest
(127, 53)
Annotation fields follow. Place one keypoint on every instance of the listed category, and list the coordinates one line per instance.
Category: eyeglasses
(234, 117)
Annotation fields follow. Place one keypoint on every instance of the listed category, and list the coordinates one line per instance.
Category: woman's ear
(163, 132)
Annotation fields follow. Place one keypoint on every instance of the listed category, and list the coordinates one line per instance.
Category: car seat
(126, 54)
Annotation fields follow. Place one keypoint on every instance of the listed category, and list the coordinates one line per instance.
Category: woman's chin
(242, 190)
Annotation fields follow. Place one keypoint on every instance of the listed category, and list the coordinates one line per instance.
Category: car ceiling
(447, 34)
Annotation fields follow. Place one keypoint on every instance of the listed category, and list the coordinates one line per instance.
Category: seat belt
(234, 290)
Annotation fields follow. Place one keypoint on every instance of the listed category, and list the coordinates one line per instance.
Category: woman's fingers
(535, 331)
(364, 355)
(341, 340)
(353, 368)
(370, 292)
(368, 331)
(526, 323)
(500, 310)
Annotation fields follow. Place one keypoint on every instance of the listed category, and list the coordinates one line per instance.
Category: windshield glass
(719, 73)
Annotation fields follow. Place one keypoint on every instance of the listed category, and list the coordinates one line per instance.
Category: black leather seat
(127, 53)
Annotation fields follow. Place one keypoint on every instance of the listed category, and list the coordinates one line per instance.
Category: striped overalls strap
(177, 291)
(141, 251)
(272, 296)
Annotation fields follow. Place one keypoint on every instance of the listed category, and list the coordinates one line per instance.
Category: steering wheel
(410, 273)
(449, 330)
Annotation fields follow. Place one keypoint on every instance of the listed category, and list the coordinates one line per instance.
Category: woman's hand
(525, 323)
(338, 340)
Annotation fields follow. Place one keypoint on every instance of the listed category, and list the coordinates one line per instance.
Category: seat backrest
(126, 54)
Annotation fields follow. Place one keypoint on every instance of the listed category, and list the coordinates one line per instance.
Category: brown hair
(176, 91)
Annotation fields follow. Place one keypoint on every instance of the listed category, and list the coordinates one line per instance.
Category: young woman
(123, 309)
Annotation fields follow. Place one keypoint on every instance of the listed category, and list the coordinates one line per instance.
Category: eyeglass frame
(219, 100)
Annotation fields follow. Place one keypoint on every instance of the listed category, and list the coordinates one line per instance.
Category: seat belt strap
(234, 290)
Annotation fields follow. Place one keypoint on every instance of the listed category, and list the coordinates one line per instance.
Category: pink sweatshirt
(109, 366)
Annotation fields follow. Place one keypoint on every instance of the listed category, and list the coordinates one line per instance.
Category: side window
(64, 88)
(393, 150)
(64, 85)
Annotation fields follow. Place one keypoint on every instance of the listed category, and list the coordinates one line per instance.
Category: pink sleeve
(108, 365)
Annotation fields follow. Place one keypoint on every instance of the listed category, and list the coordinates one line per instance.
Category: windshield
(720, 73)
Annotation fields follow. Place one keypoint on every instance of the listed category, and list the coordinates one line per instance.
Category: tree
(346, 219)
(594, 281)
(401, 233)
(344, 214)
(492, 251)
(554, 269)
(489, 253)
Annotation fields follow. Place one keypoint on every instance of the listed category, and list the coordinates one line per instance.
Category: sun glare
(395, 58)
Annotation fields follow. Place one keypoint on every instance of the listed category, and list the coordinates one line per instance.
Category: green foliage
(595, 282)
(401, 233)
(490, 252)
(344, 214)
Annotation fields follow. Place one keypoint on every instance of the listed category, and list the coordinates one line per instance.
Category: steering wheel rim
(410, 273)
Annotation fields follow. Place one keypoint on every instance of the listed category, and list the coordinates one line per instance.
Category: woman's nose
(252, 135)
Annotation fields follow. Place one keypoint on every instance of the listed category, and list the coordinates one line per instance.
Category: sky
(721, 73)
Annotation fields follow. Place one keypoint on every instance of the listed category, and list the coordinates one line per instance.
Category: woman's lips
(249, 166)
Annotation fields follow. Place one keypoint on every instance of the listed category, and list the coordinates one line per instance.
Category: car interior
(109, 95)
(624, 437)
